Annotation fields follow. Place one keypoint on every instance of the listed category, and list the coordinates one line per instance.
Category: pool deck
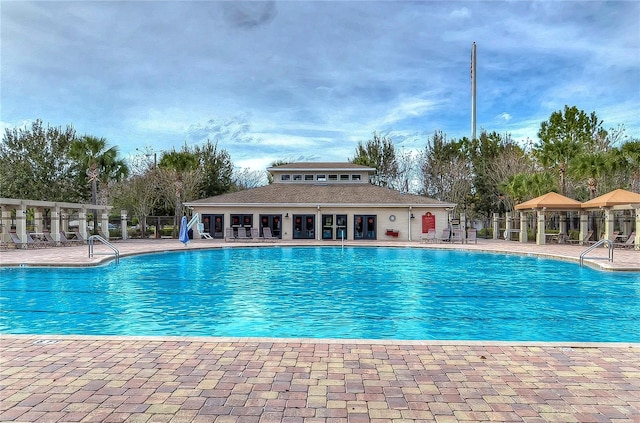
(51, 378)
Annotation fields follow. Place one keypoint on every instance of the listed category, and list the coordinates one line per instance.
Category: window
(333, 177)
(344, 177)
(297, 177)
(285, 177)
(308, 177)
(321, 178)
(355, 177)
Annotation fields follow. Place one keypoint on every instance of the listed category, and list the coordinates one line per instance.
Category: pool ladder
(93, 238)
(605, 242)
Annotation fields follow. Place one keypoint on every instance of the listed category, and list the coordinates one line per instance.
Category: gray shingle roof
(330, 194)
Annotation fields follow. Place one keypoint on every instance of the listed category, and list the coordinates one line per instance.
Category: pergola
(60, 212)
(611, 202)
(550, 202)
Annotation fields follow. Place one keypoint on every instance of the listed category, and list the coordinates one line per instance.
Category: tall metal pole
(473, 91)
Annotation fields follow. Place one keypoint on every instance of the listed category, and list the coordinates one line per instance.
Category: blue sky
(308, 80)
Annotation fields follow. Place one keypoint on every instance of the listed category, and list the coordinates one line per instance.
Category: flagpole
(473, 91)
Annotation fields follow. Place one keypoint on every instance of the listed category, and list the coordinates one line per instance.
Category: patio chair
(79, 237)
(429, 237)
(266, 234)
(629, 243)
(17, 241)
(66, 241)
(229, 235)
(202, 232)
(35, 243)
(472, 235)
(446, 235)
(50, 241)
(582, 241)
(457, 236)
(242, 234)
(255, 234)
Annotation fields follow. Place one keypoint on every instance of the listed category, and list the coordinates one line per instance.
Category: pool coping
(354, 341)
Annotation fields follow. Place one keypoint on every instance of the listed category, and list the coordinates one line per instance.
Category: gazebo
(550, 202)
(611, 202)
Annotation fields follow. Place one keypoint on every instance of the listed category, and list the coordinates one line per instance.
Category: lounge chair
(582, 241)
(430, 236)
(229, 235)
(35, 243)
(457, 235)
(17, 241)
(446, 235)
(629, 243)
(472, 235)
(50, 241)
(66, 241)
(79, 237)
(242, 234)
(611, 238)
(201, 231)
(266, 234)
(255, 234)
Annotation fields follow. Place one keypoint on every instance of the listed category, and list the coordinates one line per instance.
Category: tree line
(574, 155)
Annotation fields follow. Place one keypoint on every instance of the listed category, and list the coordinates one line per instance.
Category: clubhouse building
(323, 201)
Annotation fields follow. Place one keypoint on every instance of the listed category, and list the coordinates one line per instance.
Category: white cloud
(312, 79)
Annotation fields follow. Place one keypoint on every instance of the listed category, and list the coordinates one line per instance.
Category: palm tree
(100, 164)
(630, 151)
(592, 166)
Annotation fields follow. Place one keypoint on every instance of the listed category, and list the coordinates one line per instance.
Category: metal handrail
(90, 240)
(609, 245)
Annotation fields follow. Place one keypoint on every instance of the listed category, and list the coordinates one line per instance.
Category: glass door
(365, 226)
(327, 226)
(304, 226)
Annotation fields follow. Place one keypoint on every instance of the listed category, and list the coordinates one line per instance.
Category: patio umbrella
(184, 234)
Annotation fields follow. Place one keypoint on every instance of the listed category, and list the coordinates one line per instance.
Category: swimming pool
(327, 292)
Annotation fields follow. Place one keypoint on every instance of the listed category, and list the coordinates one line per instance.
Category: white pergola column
(496, 225)
(524, 236)
(37, 220)
(6, 223)
(508, 225)
(55, 223)
(608, 222)
(82, 222)
(463, 225)
(584, 225)
(123, 224)
(21, 222)
(540, 238)
(563, 225)
(104, 222)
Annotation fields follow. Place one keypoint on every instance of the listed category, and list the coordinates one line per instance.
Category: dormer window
(308, 177)
(344, 177)
(285, 177)
(333, 177)
(321, 178)
(355, 177)
(297, 177)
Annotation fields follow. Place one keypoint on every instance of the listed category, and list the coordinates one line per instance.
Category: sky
(308, 80)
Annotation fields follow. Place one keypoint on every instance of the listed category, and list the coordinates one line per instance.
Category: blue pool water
(327, 292)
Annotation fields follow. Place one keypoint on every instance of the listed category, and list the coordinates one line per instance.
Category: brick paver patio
(122, 379)
(107, 379)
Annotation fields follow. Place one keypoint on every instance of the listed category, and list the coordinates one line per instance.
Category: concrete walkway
(180, 379)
